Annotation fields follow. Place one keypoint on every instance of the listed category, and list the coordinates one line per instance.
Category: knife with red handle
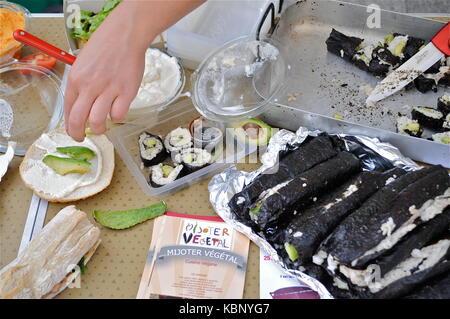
(434, 51)
(29, 39)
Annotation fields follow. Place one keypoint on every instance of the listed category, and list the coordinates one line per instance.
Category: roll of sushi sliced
(178, 139)
(443, 104)
(443, 138)
(193, 159)
(407, 126)
(428, 117)
(151, 149)
(164, 174)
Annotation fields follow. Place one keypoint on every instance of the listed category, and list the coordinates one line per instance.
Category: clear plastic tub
(125, 140)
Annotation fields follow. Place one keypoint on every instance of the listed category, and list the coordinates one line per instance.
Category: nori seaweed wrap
(354, 240)
(424, 84)
(436, 288)
(342, 45)
(428, 117)
(296, 194)
(377, 68)
(311, 153)
(443, 104)
(306, 232)
(383, 54)
(412, 47)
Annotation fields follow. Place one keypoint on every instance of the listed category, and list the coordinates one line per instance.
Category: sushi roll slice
(443, 104)
(193, 159)
(342, 45)
(385, 56)
(412, 47)
(408, 126)
(151, 149)
(424, 84)
(163, 174)
(443, 138)
(178, 139)
(378, 68)
(428, 117)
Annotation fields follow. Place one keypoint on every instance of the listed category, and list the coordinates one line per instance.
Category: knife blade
(438, 48)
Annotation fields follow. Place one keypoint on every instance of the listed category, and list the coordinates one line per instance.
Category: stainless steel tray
(322, 84)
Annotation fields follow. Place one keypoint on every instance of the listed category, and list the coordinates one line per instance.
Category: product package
(196, 257)
(278, 284)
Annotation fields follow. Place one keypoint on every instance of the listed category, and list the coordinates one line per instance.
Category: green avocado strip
(291, 251)
(121, 219)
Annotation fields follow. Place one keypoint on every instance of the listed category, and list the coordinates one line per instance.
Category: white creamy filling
(162, 77)
(319, 258)
(46, 180)
(350, 190)
(429, 209)
(240, 200)
(271, 191)
(388, 227)
(396, 41)
(443, 70)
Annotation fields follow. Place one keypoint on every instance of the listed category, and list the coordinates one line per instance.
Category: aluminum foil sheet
(373, 154)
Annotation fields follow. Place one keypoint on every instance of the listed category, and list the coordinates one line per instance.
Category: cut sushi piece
(443, 104)
(443, 138)
(310, 228)
(342, 45)
(292, 196)
(309, 154)
(252, 132)
(412, 47)
(359, 238)
(436, 288)
(408, 126)
(379, 68)
(428, 117)
(163, 174)
(178, 139)
(151, 149)
(193, 159)
(424, 84)
(385, 56)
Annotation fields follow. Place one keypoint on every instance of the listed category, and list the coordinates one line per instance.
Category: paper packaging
(195, 257)
(275, 283)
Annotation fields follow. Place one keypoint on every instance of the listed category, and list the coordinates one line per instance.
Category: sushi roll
(443, 138)
(193, 159)
(151, 149)
(408, 126)
(342, 45)
(178, 139)
(163, 174)
(428, 117)
(443, 104)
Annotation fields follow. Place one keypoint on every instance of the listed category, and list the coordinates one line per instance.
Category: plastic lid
(240, 80)
(31, 103)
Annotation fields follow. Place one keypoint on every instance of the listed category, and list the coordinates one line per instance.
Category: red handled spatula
(29, 39)
(438, 48)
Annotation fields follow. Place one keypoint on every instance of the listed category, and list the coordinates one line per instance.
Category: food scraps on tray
(381, 58)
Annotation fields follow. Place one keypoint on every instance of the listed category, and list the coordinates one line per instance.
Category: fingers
(120, 108)
(69, 99)
(78, 116)
(99, 113)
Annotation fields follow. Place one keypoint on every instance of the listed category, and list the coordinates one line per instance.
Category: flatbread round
(107, 150)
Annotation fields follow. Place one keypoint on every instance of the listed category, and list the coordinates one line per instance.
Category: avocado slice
(252, 131)
(167, 169)
(291, 251)
(79, 152)
(64, 166)
(388, 38)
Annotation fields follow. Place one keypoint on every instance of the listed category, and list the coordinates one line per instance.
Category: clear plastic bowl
(36, 101)
(13, 50)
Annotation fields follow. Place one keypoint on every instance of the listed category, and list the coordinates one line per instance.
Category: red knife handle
(41, 45)
(442, 39)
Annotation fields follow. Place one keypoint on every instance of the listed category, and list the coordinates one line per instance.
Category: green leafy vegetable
(90, 21)
(122, 219)
(82, 266)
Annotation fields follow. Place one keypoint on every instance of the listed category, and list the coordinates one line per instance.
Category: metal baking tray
(322, 85)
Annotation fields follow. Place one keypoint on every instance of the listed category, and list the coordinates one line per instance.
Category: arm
(108, 71)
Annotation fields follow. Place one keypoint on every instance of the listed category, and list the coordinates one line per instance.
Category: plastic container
(12, 51)
(31, 103)
(217, 22)
(125, 140)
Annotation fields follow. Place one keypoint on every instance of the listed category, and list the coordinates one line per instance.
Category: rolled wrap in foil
(374, 155)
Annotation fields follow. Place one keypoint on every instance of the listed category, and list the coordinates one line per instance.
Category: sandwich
(53, 259)
(59, 169)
